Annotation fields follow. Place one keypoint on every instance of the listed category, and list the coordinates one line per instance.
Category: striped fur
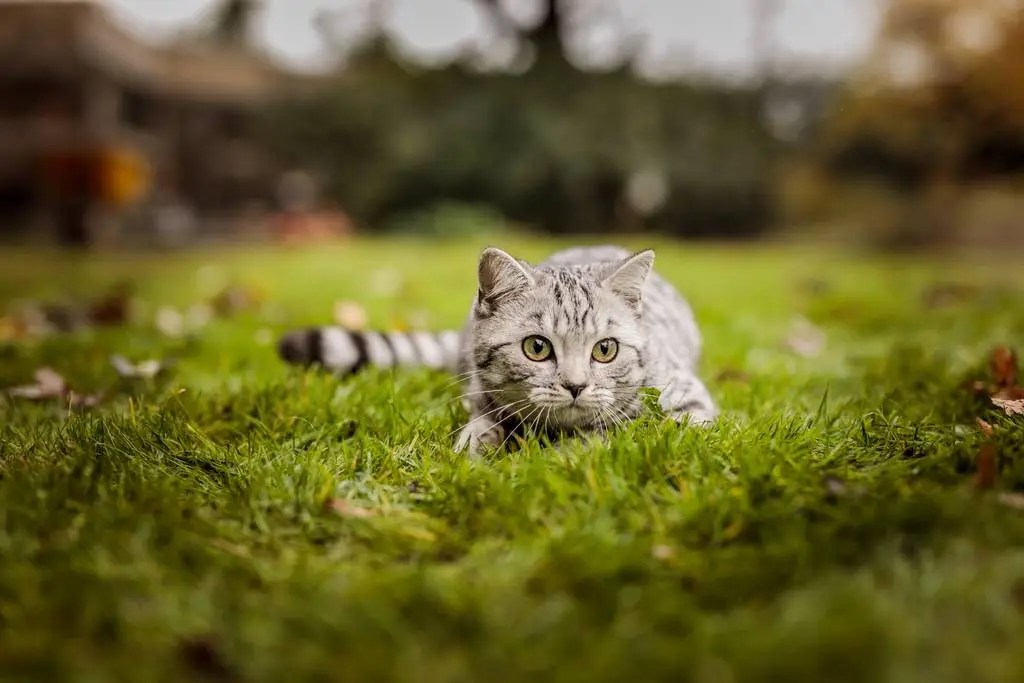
(348, 351)
(576, 300)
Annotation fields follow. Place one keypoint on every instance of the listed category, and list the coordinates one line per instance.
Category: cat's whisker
(523, 422)
(459, 379)
(487, 414)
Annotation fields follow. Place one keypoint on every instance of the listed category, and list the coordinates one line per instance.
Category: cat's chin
(571, 416)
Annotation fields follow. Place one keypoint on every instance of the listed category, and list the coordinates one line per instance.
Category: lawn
(234, 519)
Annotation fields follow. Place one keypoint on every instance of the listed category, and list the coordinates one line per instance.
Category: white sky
(691, 35)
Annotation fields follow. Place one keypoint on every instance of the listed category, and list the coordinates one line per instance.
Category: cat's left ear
(628, 277)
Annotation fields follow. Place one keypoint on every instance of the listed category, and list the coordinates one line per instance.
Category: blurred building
(104, 134)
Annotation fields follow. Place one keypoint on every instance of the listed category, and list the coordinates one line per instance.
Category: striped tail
(348, 351)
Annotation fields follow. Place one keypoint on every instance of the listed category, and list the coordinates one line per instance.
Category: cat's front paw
(478, 435)
(689, 402)
(699, 417)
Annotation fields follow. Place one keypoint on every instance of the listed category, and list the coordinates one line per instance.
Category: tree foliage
(942, 96)
(557, 147)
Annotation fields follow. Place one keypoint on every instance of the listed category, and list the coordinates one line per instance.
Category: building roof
(75, 38)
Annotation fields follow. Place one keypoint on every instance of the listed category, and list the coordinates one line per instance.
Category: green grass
(826, 529)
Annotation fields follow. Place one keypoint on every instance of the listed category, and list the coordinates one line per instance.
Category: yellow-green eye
(537, 348)
(605, 350)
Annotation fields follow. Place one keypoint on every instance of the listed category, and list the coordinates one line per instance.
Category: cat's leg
(480, 432)
(686, 398)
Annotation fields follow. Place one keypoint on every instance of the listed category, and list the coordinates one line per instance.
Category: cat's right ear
(500, 276)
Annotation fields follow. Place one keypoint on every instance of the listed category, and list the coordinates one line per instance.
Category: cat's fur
(573, 300)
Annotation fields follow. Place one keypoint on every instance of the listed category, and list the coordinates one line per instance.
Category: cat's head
(560, 347)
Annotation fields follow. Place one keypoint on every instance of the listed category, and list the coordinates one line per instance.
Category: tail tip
(296, 347)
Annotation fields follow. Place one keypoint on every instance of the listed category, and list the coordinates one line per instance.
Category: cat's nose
(575, 389)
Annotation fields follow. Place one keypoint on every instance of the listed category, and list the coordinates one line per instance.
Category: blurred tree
(556, 146)
(938, 104)
(233, 22)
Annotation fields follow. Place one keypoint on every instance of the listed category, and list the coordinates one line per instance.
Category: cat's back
(585, 256)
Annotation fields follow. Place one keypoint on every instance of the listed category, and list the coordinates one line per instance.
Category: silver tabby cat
(564, 346)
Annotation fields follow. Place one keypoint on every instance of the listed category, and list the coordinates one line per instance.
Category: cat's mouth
(567, 416)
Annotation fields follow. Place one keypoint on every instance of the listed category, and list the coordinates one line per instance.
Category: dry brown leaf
(985, 427)
(1010, 406)
(986, 467)
(51, 385)
(347, 508)
(113, 308)
(48, 384)
(1009, 394)
(805, 338)
(1004, 367)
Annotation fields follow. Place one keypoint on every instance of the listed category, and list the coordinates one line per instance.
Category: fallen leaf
(985, 427)
(1009, 394)
(1011, 499)
(49, 384)
(350, 315)
(1010, 406)
(986, 467)
(347, 508)
(805, 338)
(146, 369)
(1004, 366)
(112, 308)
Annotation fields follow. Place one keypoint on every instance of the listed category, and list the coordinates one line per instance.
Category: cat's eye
(605, 351)
(537, 348)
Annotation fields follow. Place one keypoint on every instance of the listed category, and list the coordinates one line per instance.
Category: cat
(563, 346)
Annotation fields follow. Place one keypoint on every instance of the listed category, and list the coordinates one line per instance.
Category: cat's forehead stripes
(574, 295)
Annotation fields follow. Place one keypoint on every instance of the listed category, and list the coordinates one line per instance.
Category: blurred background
(890, 124)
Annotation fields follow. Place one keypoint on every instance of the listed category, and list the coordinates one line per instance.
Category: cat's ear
(501, 276)
(628, 277)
